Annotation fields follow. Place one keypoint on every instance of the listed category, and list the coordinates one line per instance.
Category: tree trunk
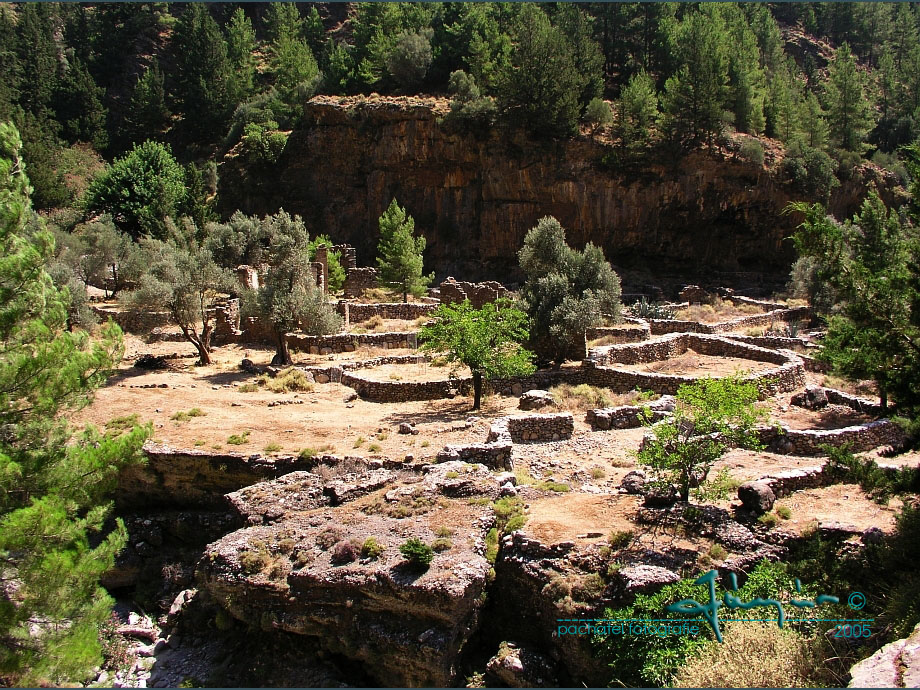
(405, 296)
(204, 356)
(477, 389)
(883, 398)
(282, 353)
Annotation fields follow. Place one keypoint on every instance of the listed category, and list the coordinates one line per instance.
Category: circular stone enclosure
(614, 366)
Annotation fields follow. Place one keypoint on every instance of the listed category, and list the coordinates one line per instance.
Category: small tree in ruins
(184, 278)
(711, 416)
(399, 262)
(487, 340)
(288, 296)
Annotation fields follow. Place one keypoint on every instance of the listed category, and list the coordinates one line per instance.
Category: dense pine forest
(85, 83)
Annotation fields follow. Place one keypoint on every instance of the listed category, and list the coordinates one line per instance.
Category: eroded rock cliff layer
(474, 196)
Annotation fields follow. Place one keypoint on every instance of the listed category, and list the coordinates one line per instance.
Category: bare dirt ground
(845, 503)
(420, 371)
(693, 363)
(378, 325)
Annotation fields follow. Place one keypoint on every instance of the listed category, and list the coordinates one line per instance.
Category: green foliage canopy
(399, 260)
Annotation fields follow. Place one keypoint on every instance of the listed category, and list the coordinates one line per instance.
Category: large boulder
(811, 399)
(308, 575)
(757, 497)
(520, 667)
(896, 665)
(634, 482)
(536, 399)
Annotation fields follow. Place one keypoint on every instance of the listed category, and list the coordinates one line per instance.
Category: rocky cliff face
(475, 196)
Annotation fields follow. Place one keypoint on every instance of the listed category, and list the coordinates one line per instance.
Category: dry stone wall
(349, 342)
(630, 333)
(505, 431)
(788, 375)
(357, 280)
(353, 312)
(629, 416)
(809, 442)
(665, 326)
(139, 322)
(454, 291)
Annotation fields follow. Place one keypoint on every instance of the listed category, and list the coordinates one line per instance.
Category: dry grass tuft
(756, 655)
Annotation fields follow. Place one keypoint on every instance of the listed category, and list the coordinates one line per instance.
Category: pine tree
(694, 97)
(813, 125)
(637, 111)
(295, 69)
(148, 114)
(848, 110)
(399, 260)
(314, 31)
(53, 487)
(282, 20)
(241, 46)
(204, 78)
(541, 87)
(79, 107)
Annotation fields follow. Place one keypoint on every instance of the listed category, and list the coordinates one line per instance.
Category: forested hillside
(88, 84)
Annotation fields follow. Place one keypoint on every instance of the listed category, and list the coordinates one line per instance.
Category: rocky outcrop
(307, 576)
(896, 665)
(474, 197)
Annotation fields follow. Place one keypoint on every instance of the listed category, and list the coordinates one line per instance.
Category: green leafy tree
(410, 57)
(314, 31)
(237, 242)
(565, 291)
(241, 47)
(540, 87)
(140, 190)
(288, 296)
(54, 487)
(848, 110)
(487, 340)
(399, 260)
(338, 67)
(870, 263)
(598, 114)
(183, 278)
(577, 26)
(711, 416)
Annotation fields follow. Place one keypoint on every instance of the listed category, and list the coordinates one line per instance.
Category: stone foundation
(665, 326)
(455, 291)
(787, 376)
(809, 442)
(631, 333)
(629, 416)
(357, 280)
(353, 312)
(349, 342)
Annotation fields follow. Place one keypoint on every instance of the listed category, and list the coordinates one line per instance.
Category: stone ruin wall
(628, 333)
(665, 326)
(349, 342)
(357, 280)
(454, 291)
(601, 367)
(354, 312)
(138, 322)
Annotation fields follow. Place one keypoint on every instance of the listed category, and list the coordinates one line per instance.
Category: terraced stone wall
(354, 312)
(349, 342)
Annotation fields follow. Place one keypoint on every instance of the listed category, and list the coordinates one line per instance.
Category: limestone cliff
(474, 196)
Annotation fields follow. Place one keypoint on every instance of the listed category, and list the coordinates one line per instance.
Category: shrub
(756, 655)
(588, 588)
(248, 388)
(410, 57)
(752, 150)
(344, 552)
(238, 439)
(359, 441)
(441, 544)
(492, 545)
(288, 380)
(643, 309)
(371, 548)
(374, 447)
(598, 473)
(306, 454)
(262, 143)
(768, 519)
(417, 553)
(812, 170)
(784, 512)
(598, 114)
(620, 539)
(329, 537)
(717, 552)
(272, 447)
(720, 488)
